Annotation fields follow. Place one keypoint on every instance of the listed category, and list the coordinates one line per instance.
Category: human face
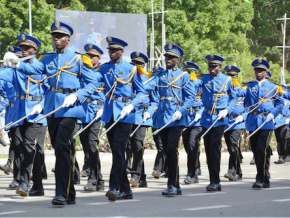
(60, 41)
(214, 69)
(260, 73)
(95, 59)
(28, 50)
(171, 61)
(115, 54)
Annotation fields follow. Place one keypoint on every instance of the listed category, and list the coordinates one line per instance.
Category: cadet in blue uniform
(177, 95)
(142, 115)
(218, 100)
(29, 97)
(191, 135)
(121, 82)
(281, 131)
(93, 107)
(263, 102)
(10, 113)
(160, 166)
(233, 135)
(65, 70)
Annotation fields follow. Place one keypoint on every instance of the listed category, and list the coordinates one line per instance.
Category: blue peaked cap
(190, 65)
(26, 39)
(138, 56)
(93, 49)
(60, 27)
(261, 63)
(16, 50)
(214, 59)
(174, 50)
(116, 43)
(229, 68)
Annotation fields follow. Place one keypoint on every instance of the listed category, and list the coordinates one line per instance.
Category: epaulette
(192, 76)
(280, 90)
(141, 71)
(87, 60)
(40, 56)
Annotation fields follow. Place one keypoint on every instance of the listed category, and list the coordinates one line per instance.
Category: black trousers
(233, 139)
(24, 138)
(15, 156)
(38, 162)
(191, 141)
(86, 165)
(75, 164)
(129, 155)
(11, 150)
(281, 138)
(90, 141)
(212, 144)
(160, 160)
(170, 137)
(137, 146)
(260, 144)
(61, 131)
(118, 137)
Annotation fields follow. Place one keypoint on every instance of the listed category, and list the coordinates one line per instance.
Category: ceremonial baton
(212, 125)
(50, 113)
(158, 130)
(83, 129)
(5, 126)
(136, 129)
(149, 80)
(18, 121)
(192, 122)
(107, 130)
(230, 127)
(22, 59)
(257, 129)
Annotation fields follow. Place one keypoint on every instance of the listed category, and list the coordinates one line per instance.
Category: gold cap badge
(90, 45)
(260, 60)
(110, 39)
(137, 54)
(11, 48)
(23, 37)
(170, 46)
(230, 67)
(57, 24)
(211, 56)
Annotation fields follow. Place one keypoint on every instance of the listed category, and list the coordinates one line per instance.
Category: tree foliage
(238, 30)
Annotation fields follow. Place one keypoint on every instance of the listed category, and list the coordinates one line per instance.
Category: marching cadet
(121, 83)
(65, 70)
(93, 107)
(281, 130)
(160, 166)
(218, 100)
(30, 91)
(236, 124)
(263, 102)
(10, 117)
(177, 95)
(191, 135)
(143, 117)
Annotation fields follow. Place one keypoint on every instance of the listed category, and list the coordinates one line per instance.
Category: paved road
(237, 199)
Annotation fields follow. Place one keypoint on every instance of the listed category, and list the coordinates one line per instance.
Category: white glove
(126, 110)
(11, 59)
(270, 117)
(36, 109)
(239, 119)
(287, 121)
(222, 114)
(99, 113)
(177, 115)
(197, 117)
(146, 116)
(70, 100)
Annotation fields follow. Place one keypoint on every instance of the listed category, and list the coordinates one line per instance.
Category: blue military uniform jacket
(176, 93)
(239, 109)
(9, 103)
(30, 90)
(197, 107)
(260, 101)
(65, 73)
(96, 100)
(280, 120)
(216, 95)
(121, 83)
(150, 104)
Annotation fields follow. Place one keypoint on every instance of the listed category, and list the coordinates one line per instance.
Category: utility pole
(30, 19)
(282, 78)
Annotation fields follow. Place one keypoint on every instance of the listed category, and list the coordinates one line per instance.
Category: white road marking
(282, 200)
(11, 212)
(208, 208)
(277, 188)
(201, 194)
(117, 202)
